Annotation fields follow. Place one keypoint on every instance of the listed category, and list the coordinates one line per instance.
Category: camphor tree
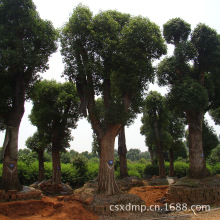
(38, 143)
(55, 112)
(26, 42)
(163, 129)
(155, 125)
(109, 55)
(176, 129)
(191, 75)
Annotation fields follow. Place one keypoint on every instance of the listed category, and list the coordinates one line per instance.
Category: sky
(158, 11)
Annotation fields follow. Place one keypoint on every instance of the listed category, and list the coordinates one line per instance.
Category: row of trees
(164, 131)
(109, 56)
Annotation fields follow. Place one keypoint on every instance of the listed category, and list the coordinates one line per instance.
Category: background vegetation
(77, 168)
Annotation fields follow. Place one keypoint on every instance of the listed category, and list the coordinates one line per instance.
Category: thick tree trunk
(10, 179)
(106, 177)
(171, 159)
(197, 168)
(122, 151)
(56, 179)
(41, 165)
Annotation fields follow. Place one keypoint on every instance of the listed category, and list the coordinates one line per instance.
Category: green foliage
(154, 169)
(133, 154)
(191, 71)
(27, 173)
(214, 157)
(216, 169)
(93, 169)
(188, 94)
(65, 157)
(37, 142)
(110, 55)
(81, 165)
(176, 30)
(55, 111)
(69, 174)
(215, 114)
(26, 43)
(181, 169)
(27, 156)
(209, 139)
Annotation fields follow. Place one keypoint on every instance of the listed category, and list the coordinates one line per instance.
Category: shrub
(137, 167)
(214, 157)
(134, 173)
(48, 170)
(80, 163)
(181, 169)
(27, 173)
(68, 174)
(93, 169)
(216, 168)
(151, 169)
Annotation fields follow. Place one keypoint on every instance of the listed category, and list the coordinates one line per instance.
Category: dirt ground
(49, 208)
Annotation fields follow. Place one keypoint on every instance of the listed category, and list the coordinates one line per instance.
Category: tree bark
(171, 159)
(162, 171)
(159, 147)
(122, 151)
(41, 165)
(106, 177)
(10, 179)
(152, 156)
(56, 178)
(197, 167)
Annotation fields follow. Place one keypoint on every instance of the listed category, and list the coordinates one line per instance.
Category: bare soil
(50, 208)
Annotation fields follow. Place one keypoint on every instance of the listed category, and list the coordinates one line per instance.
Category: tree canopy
(55, 108)
(26, 43)
(193, 79)
(110, 55)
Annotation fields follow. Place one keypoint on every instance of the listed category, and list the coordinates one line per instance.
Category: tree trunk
(152, 156)
(122, 151)
(106, 177)
(159, 147)
(56, 164)
(197, 168)
(162, 171)
(171, 159)
(10, 179)
(41, 165)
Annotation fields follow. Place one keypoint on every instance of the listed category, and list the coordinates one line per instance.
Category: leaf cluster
(191, 73)
(110, 55)
(26, 42)
(55, 110)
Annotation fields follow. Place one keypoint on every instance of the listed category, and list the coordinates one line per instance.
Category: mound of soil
(152, 195)
(49, 188)
(47, 208)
